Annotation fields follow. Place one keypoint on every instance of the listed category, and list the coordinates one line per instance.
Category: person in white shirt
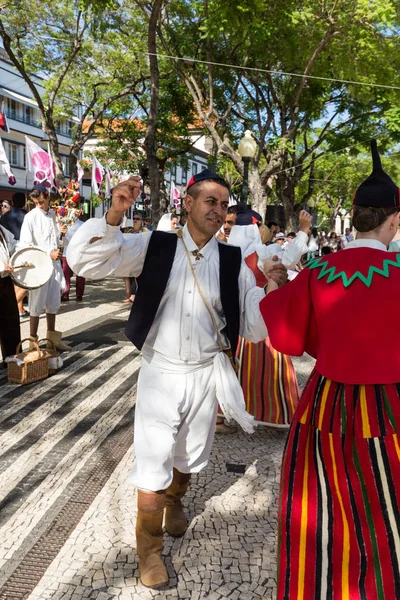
(41, 229)
(186, 311)
(347, 237)
(10, 335)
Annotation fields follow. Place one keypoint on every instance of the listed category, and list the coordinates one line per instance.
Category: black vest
(154, 278)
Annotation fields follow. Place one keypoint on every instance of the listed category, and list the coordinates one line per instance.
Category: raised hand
(123, 196)
(305, 221)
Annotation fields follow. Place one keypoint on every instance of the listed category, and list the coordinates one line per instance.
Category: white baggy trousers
(175, 417)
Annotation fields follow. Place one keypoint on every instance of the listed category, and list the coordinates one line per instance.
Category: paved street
(67, 513)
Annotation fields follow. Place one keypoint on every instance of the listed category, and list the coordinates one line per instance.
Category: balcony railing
(11, 114)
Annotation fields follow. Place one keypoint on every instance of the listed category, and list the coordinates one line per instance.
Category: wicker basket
(50, 352)
(34, 368)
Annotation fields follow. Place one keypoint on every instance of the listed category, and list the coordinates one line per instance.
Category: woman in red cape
(339, 517)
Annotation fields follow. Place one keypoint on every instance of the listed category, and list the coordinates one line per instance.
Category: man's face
(230, 221)
(207, 212)
(347, 231)
(137, 222)
(280, 241)
(42, 202)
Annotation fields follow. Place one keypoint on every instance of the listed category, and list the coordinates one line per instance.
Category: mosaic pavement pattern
(67, 513)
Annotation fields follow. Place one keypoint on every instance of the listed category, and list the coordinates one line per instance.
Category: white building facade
(23, 118)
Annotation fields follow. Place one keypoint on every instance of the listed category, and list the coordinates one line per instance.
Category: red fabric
(334, 517)
(68, 273)
(350, 331)
(251, 262)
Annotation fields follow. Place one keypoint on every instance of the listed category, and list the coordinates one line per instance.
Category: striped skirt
(269, 383)
(339, 517)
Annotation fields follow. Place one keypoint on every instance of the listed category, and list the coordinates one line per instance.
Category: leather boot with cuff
(32, 340)
(175, 521)
(55, 337)
(149, 539)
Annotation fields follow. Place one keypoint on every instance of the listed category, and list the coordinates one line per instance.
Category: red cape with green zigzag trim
(343, 310)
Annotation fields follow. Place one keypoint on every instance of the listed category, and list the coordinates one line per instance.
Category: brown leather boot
(175, 520)
(149, 539)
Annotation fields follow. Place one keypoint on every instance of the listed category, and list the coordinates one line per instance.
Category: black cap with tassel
(378, 190)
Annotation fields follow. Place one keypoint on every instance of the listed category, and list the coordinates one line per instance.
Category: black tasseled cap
(378, 190)
(247, 216)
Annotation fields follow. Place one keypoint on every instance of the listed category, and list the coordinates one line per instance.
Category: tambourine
(33, 268)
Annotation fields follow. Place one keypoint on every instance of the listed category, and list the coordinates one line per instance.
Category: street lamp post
(311, 204)
(247, 149)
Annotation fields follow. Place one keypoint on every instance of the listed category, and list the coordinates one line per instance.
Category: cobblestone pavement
(67, 513)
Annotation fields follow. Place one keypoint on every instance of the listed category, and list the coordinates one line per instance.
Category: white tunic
(40, 229)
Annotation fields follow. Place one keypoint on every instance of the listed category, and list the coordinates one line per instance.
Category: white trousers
(48, 297)
(174, 424)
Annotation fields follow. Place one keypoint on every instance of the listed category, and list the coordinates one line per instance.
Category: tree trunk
(73, 164)
(150, 139)
(285, 190)
(258, 193)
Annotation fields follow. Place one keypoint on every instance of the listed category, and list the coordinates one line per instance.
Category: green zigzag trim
(330, 272)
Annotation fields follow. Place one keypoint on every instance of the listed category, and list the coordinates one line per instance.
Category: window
(203, 168)
(13, 154)
(24, 156)
(173, 171)
(12, 108)
(28, 114)
(184, 176)
(194, 168)
(65, 162)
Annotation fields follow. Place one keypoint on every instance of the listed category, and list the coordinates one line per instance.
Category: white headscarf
(164, 224)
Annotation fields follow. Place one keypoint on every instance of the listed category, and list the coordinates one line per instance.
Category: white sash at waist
(228, 389)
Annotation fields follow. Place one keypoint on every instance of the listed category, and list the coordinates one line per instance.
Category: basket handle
(47, 340)
(28, 340)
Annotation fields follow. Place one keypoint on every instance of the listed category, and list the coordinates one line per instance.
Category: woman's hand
(275, 270)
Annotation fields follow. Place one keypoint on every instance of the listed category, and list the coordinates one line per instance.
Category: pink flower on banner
(175, 198)
(40, 164)
(97, 175)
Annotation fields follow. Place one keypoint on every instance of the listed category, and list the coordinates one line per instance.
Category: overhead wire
(269, 71)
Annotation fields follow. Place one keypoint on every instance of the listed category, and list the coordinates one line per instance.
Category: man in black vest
(195, 295)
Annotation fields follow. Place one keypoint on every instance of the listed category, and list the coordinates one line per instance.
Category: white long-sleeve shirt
(182, 329)
(40, 229)
(7, 249)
